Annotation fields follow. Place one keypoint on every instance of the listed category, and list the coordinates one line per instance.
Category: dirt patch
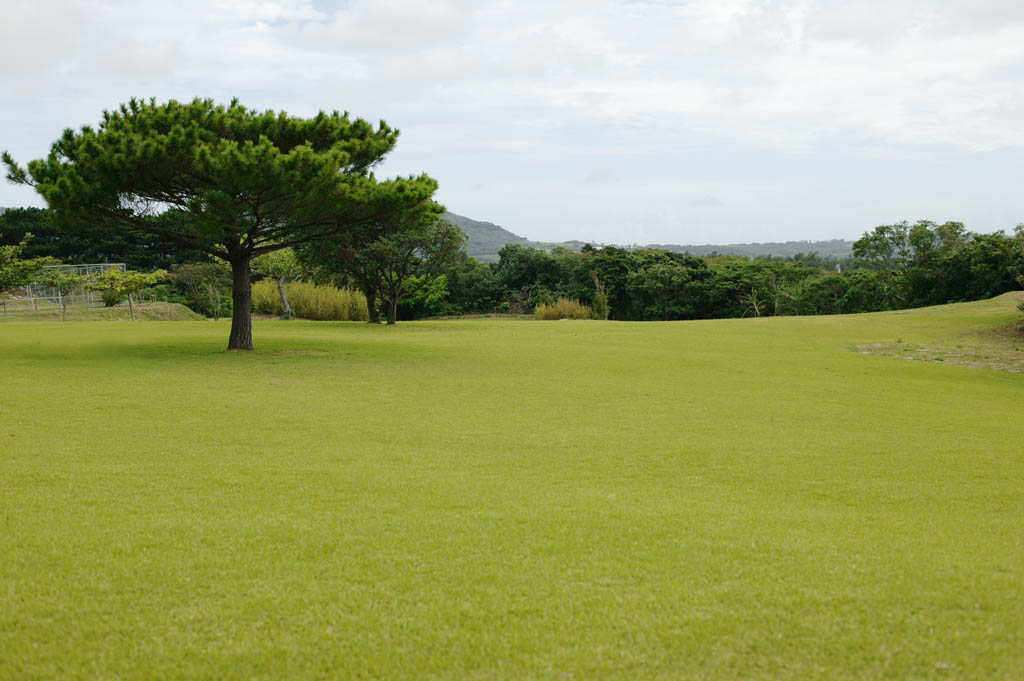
(997, 349)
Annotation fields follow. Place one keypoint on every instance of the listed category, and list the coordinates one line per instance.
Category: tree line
(893, 267)
(418, 269)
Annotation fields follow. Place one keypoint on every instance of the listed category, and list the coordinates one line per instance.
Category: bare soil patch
(999, 349)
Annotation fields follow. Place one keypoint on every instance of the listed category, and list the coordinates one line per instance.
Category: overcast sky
(619, 121)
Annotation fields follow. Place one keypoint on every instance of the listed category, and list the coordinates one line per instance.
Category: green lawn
(503, 499)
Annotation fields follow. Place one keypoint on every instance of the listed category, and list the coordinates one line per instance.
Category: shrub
(110, 298)
(309, 301)
(563, 308)
(206, 287)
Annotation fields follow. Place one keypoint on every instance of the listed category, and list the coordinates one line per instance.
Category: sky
(611, 121)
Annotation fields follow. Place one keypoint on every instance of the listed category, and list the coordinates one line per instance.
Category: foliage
(472, 286)
(247, 183)
(206, 287)
(310, 301)
(563, 308)
(659, 285)
(898, 266)
(280, 264)
(114, 284)
(425, 296)
(66, 284)
(142, 250)
(929, 263)
(15, 269)
(283, 266)
(393, 260)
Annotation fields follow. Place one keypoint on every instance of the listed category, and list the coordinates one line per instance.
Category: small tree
(66, 283)
(283, 266)
(420, 250)
(117, 285)
(14, 271)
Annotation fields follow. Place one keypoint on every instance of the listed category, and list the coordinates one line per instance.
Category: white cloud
(781, 74)
(567, 87)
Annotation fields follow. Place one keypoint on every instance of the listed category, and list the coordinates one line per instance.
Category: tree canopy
(244, 182)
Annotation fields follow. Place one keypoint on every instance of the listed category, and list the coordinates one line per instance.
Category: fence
(40, 297)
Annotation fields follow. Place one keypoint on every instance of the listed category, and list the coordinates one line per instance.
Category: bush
(206, 287)
(110, 298)
(563, 308)
(309, 301)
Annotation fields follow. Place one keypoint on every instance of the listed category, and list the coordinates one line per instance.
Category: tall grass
(563, 308)
(309, 301)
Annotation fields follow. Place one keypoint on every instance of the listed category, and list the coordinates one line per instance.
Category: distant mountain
(487, 238)
(833, 247)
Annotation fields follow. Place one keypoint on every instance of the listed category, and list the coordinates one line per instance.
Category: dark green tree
(888, 251)
(666, 285)
(472, 286)
(142, 251)
(249, 183)
(403, 256)
(204, 286)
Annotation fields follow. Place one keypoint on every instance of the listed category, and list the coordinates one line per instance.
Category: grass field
(492, 499)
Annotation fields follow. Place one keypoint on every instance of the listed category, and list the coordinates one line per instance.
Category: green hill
(487, 238)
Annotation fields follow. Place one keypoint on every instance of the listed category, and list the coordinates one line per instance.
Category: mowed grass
(494, 499)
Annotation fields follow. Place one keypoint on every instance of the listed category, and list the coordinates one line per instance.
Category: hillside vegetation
(484, 240)
(500, 499)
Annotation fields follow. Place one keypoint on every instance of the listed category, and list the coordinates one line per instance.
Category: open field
(509, 499)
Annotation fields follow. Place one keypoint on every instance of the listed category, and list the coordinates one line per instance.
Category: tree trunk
(241, 309)
(286, 309)
(372, 312)
(392, 310)
(131, 308)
